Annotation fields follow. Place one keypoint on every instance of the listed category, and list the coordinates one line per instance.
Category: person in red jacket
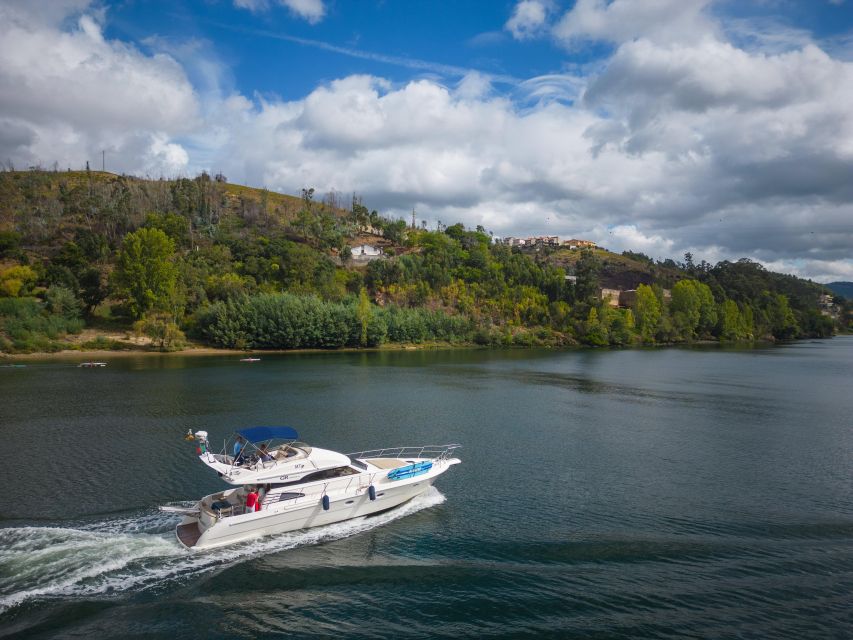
(252, 500)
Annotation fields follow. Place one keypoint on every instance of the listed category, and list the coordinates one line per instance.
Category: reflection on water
(637, 493)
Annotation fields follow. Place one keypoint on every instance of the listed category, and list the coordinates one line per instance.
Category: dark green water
(640, 494)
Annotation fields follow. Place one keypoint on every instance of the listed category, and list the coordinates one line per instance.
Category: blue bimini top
(259, 434)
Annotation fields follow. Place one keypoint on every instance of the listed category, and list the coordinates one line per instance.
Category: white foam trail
(44, 561)
(154, 521)
(125, 553)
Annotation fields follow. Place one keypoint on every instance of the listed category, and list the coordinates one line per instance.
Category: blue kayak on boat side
(414, 469)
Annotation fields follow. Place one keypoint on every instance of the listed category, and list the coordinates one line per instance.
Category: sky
(723, 128)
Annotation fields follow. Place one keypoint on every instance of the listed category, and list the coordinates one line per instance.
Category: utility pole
(103, 159)
(413, 217)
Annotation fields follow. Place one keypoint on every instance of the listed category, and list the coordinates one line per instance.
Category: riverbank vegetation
(230, 266)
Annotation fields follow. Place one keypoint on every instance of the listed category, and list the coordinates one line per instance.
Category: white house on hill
(366, 252)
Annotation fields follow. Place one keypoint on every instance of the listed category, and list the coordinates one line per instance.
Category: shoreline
(105, 354)
(102, 354)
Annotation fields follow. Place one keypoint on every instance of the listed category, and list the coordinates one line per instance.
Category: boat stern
(188, 533)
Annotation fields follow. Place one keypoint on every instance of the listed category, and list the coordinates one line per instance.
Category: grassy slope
(30, 195)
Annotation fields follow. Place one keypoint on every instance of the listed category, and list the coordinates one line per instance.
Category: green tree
(145, 272)
(730, 321)
(162, 330)
(9, 243)
(595, 333)
(395, 231)
(91, 291)
(364, 315)
(62, 302)
(587, 270)
(648, 313)
(685, 308)
(621, 325)
(783, 324)
(225, 286)
(173, 225)
(360, 216)
(16, 280)
(707, 309)
(305, 217)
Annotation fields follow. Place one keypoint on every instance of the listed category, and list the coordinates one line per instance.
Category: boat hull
(231, 530)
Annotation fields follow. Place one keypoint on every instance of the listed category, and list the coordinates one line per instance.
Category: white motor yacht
(297, 486)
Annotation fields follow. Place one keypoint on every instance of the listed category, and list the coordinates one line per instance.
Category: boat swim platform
(189, 534)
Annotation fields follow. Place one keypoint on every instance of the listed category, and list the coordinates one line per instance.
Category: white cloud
(717, 165)
(166, 157)
(474, 85)
(65, 94)
(711, 74)
(528, 19)
(817, 270)
(624, 20)
(311, 10)
(627, 237)
(252, 5)
(555, 86)
(51, 13)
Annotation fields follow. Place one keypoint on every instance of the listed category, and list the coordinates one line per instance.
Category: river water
(661, 493)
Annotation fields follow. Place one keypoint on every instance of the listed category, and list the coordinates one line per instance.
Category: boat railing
(311, 493)
(435, 452)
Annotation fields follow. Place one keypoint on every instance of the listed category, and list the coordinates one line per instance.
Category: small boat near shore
(250, 359)
(281, 484)
(91, 365)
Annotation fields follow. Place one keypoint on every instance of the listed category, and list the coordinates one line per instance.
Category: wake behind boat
(283, 485)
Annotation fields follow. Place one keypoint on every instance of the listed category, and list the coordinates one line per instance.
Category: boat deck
(189, 534)
(386, 463)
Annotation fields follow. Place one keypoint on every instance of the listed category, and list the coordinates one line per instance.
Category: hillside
(622, 271)
(234, 266)
(47, 207)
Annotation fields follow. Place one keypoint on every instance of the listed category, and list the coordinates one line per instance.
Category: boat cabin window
(324, 474)
(358, 463)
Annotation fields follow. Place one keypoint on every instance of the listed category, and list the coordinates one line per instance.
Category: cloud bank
(67, 93)
(682, 140)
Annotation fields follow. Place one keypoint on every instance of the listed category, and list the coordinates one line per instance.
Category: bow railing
(433, 452)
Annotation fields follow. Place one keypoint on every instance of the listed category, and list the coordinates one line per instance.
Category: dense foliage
(300, 321)
(247, 268)
(28, 324)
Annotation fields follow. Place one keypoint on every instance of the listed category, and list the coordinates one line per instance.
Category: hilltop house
(533, 241)
(827, 305)
(574, 243)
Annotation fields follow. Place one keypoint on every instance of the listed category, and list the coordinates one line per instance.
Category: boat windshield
(303, 446)
(240, 451)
